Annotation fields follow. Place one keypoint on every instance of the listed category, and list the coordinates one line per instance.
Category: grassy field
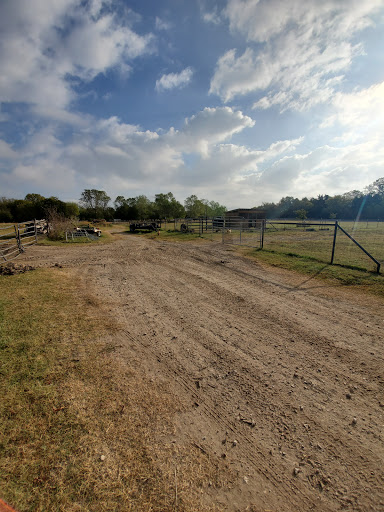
(316, 242)
(80, 430)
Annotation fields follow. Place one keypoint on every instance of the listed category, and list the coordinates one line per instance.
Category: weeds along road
(281, 376)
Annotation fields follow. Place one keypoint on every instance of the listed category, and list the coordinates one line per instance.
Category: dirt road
(282, 376)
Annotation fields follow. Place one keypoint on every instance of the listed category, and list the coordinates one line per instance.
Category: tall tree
(215, 209)
(194, 207)
(376, 188)
(94, 199)
(167, 206)
(95, 203)
(34, 198)
(144, 207)
(119, 202)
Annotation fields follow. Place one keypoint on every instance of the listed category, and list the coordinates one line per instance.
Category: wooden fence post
(17, 235)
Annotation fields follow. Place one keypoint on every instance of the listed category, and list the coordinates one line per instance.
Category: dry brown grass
(58, 224)
(81, 428)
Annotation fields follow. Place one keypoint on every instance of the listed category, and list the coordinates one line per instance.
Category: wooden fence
(14, 238)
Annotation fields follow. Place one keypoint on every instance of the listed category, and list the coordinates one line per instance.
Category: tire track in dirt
(171, 368)
(159, 296)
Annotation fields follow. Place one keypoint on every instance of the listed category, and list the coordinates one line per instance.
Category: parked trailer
(144, 226)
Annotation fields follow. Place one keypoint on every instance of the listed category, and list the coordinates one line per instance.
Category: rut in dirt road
(283, 377)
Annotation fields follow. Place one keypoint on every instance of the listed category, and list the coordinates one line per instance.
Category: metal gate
(238, 231)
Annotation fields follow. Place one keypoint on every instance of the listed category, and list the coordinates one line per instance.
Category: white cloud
(229, 163)
(261, 20)
(325, 170)
(197, 158)
(92, 47)
(359, 111)
(210, 126)
(173, 80)
(295, 58)
(122, 151)
(161, 24)
(212, 16)
(240, 75)
(298, 51)
(45, 43)
(6, 151)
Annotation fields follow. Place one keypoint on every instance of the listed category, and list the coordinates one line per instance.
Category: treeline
(166, 206)
(96, 204)
(366, 205)
(35, 206)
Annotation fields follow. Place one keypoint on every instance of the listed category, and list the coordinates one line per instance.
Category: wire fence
(318, 241)
(351, 244)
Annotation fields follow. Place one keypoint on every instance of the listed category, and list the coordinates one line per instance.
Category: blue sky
(237, 101)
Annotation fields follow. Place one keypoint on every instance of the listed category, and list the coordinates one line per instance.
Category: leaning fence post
(334, 242)
(17, 234)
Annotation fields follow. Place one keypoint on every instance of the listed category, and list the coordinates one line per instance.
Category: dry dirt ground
(282, 376)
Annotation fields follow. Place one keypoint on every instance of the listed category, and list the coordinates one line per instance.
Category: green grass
(317, 244)
(346, 275)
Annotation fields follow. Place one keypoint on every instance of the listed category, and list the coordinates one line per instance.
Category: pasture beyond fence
(347, 243)
(350, 244)
(15, 238)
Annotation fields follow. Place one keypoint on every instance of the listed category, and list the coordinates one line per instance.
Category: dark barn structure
(247, 217)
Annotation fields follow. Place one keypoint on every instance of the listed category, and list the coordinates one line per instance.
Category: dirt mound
(10, 269)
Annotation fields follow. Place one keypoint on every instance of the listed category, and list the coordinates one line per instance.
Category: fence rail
(14, 238)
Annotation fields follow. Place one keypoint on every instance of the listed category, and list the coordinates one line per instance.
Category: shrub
(58, 224)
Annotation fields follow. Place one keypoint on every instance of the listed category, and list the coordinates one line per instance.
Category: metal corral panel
(248, 217)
